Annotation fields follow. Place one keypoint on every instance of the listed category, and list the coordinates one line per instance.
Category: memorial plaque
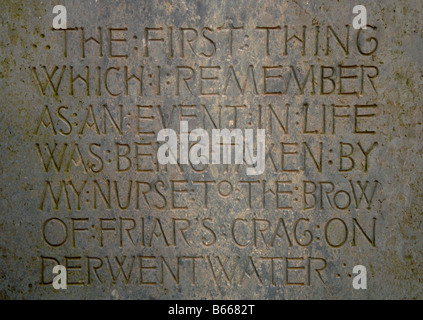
(211, 149)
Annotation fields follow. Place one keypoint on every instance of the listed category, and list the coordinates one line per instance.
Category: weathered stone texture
(342, 116)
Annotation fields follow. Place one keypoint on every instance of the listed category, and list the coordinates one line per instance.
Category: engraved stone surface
(81, 185)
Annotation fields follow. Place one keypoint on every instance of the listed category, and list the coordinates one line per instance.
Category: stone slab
(342, 186)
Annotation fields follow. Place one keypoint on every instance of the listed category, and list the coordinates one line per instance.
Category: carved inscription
(111, 213)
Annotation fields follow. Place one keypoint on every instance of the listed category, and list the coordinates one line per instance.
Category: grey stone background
(395, 265)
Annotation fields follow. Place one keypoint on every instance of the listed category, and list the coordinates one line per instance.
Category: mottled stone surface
(342, 115)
